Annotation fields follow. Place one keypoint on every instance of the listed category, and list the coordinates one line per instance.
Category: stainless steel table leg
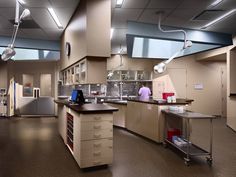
(209, 160)
(187, 159)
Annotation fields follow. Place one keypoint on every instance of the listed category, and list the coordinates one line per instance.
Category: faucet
(121, 88)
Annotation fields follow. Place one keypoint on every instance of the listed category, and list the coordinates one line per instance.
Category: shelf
(194, 150)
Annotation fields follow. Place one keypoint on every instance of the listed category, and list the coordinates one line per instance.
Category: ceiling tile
(42, 17)
(184, 14)
(5, 24)
(64, 15)
(37, 3)
(53, 34)
(150, 16)
(119, 35)
(8, 13)
(7, 3)
(227, 25)
(121, 16)
(226, 5)
(156, 4)
(193, 4)
(65, 3)
(135, 4)
(34, 33)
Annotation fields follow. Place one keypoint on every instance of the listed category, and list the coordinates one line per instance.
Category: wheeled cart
(190, 149)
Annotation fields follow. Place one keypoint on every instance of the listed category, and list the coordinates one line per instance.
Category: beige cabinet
(119, 117)
(145, 119)
(90, 70)
(92, 138)
(61, 112)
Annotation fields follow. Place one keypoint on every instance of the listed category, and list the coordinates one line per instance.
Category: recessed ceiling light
(119, 3)
(21, 1)
(111, 34)
(55, 18)
(219, 18)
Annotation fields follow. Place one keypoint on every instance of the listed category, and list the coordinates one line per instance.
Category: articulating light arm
(161, 67)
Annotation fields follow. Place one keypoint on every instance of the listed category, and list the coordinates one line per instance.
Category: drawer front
(96, 117)
(96, 134)
(96, 154)
(95, 162)
(96, 125)
(95, 145)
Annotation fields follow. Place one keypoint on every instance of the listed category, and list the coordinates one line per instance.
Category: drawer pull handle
(97, 144)
(110, 147)
(97, 118)
(97, 153)
(97, 126)
(97, 136)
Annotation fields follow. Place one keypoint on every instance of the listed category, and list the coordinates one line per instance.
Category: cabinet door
(149, 123)
(133, 119)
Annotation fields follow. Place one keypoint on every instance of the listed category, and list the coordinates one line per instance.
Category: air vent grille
(208, 15)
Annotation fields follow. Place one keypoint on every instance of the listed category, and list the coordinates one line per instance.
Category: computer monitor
(74, 96)
(77, 97)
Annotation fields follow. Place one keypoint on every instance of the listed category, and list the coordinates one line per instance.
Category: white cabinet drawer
(96, 125)
(91, 154)
(95, 162)
(96, 134)
(94, 145)
(96, 117)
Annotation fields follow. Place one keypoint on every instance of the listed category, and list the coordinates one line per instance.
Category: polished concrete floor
(32, 147)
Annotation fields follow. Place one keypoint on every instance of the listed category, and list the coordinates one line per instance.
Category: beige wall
(231, 101)
(16, 69)
(209, 99)
(88, 32)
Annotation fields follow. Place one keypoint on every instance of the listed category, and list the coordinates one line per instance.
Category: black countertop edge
(232, 94)
(88, 108)
(158, 102)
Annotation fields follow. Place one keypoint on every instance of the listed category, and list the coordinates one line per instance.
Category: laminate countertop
(88, 107)
(162, 102)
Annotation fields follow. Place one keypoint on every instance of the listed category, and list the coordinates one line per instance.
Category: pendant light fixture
(9, 51)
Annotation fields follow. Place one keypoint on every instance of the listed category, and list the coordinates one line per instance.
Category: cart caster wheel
(209, 161)
(186, 163)
(165, 145)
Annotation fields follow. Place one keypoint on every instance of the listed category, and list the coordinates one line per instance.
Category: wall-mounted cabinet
(129, 75)
(87, 71)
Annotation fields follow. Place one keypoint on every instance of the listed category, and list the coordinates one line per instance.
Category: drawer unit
(93, 139)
